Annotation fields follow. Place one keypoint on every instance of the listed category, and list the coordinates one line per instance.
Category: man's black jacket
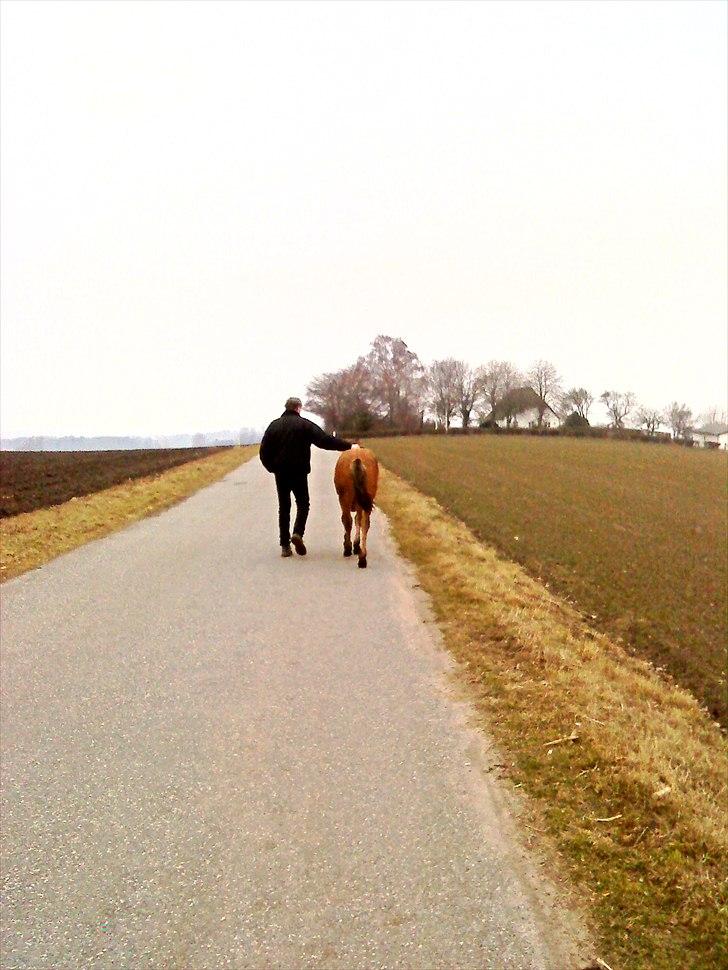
(286, 444)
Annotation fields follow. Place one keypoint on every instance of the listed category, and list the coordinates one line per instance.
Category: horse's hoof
(347, 551)
(357, 547)
(362, 564)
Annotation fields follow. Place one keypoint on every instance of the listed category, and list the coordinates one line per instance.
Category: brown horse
(355, 478)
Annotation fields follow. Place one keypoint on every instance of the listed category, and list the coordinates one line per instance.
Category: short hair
(293, 402)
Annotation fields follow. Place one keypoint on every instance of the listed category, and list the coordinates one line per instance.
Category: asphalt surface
(214, 757)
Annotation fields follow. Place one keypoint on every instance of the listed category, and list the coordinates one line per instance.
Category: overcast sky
(206, 204)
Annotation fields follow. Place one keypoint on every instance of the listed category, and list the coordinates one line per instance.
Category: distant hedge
(626, 434)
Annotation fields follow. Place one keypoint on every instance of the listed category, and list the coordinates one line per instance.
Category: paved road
(214, 757)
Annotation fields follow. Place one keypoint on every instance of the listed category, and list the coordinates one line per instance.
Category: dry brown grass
(30, 539)
(636, 803)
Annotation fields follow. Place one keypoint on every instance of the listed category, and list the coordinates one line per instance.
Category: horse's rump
(356, 478)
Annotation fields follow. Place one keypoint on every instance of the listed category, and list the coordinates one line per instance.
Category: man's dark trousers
(296, 482)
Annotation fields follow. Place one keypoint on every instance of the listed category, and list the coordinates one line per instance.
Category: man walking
(286, 452)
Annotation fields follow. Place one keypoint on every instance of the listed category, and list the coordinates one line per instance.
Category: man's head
(294, 404)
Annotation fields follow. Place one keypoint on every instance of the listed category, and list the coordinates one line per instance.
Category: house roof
(516, 401)
(715, 428)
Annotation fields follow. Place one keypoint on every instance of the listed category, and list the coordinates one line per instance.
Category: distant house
(520, 408)
(711, 436)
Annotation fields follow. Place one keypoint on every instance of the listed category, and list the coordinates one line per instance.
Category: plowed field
(32, 480)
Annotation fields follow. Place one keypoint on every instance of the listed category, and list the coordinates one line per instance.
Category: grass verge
(32, 538)
(627, 774)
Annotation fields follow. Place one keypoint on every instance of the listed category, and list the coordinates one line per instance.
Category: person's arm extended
(327, 441)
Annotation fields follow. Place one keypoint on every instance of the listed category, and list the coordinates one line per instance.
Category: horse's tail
(359, 477)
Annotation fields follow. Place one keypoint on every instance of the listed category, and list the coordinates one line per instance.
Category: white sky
(206, 204)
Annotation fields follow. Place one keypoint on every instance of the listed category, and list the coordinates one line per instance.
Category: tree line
(390, 388)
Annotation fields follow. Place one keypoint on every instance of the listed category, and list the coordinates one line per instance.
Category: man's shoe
(298, 544)
(286, 551)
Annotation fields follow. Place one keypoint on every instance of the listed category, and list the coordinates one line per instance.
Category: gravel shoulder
(213, 757)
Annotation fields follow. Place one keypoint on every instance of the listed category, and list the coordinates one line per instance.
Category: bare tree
(543, 378)
(498, 377)
(343, 398)
(359, 413)
(649, 418)
(469, 387)
(397, 379)
(679, 417)
(713, 415)
(619, 404)
(324, 396)
(444, 389)
(580, 400)
(388, 384)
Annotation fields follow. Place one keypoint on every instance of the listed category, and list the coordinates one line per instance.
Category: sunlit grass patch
(32, 538)
(627, 773)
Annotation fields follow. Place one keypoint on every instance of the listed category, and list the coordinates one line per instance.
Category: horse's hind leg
(346, 522)
(357, 533)
(363, 544)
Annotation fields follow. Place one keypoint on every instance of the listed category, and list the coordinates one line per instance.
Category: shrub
(575, 420)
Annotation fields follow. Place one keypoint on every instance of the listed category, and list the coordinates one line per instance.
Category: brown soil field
(32, 480)
(633, 534)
